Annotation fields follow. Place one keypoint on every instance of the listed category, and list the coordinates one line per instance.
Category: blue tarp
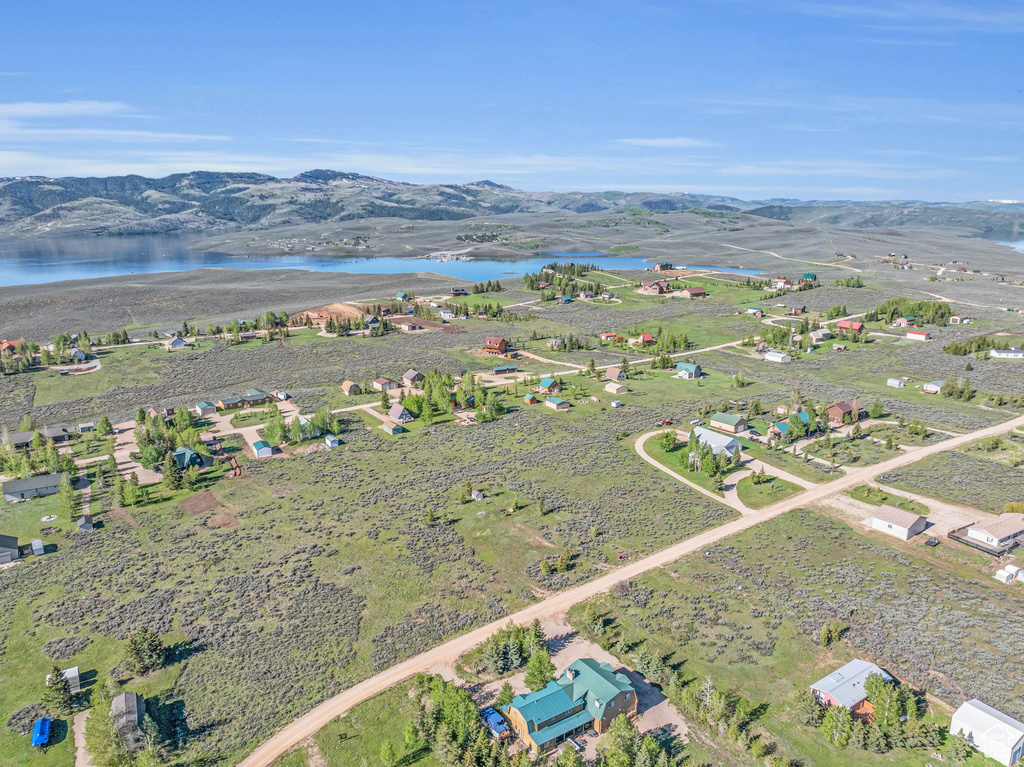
(494, 721)
(41, 732)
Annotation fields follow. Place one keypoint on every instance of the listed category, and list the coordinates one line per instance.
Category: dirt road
(448, 652)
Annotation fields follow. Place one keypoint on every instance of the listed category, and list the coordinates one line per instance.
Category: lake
(1018, 246)
(24, 262)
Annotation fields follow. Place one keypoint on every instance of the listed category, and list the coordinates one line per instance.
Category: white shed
(331, 441)
(777, 357)
(1015, 571)
(896, 383)
(1003, 576)
(615, 388)
(992, 732)
(37, 547)
(898, 522)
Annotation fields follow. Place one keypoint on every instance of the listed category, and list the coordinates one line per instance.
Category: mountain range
(211, 201)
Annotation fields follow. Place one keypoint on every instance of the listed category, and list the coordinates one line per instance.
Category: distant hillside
(211, 202)
(204, 201)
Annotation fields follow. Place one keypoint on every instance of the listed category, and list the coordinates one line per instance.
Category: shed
(774, 356)
(262, 448)
(992, 732)
(476, 495)
(530, 399)
(72, 675)
(615, 388)
(205, 408)
(85, 523)
(331, 441)
(393, 428)
(351, 388)
(932, 387)
(1003, 576)
(896, 383)
(127, 711)
(898, 522)
(919, 335)
(38, 548)
(557, 403)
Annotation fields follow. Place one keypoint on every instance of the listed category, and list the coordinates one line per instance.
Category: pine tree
(808, 709)
(68, 499)
(387, 754)
(412, 737)
(172, 477)
(145, 651)
(57, 695)
(505, 695)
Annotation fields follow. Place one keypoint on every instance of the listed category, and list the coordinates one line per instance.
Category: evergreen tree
(808, 709)
(145, 651)
(68, 499)
(505, 695)
(388, 757)
(57, 694)
(172, 477)
(837, 725)
(103, 426)
(412, 737)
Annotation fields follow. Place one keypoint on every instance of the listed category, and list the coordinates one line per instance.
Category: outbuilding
(8, 549)
(932, 387)
(205, 409)
(1006, 354)
(774, 356)
(127, 711)
(918, 335)
(995, 734)
(557, 403)
(411, 378)
(898, 522)
(262, 449)
(385, 384)
(331, 441)
(351, 388)
(616, 388)
(687, 370)
(733, 424)
(896, 383)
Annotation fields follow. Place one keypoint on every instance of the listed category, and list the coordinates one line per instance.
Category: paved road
(448, 652)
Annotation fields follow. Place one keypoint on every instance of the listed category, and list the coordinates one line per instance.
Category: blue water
(24, 262)
(1018, 246)
(566, 254)
(730, 269)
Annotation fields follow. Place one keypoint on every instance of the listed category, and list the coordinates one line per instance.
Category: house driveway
(942, 517)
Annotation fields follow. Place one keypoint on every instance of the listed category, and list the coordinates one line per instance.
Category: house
(662, 268)
(530, 399)
(549, 386)
(902, 322)
(557, 403)
(8, 549)
(351, 388)
(654, 287)
(85, 523)
(262, 449)
(1006, 354)
(588, 294)
(608, 336)
(393, 428)
(918, 335)
(385, 384)
(20, 439)
(932, 387)
(845, 687)
(616, 388)
(186, 456)
(896, 383)
(608, 296)
(331, 441)
(494, 345)
(1004, 532)
(407, 324)
(500, 370)
(820, 335)
(732, 424)
(9, 347)
(774, 356)
(644, 339)
(33, 487)
(757, 311)
(843, 412)
(839, 347)
(959, 319)
(850, 325)
(795, 310)
(79, 356)
(779, 429)
(693, 292)
(127, 711)
(204, 409)
(543, 285)
(615, 374)
(230, 403)
(588, 695)
(370, 321)
(897, 522)
(780, 284)
(56, 434)
(719, 443)
(989, 730)
(399, 414)
(447, 315)
(809, 277)
(411, 378)
(401, 296)
(176, 343)
(457, 293)
(688, 370)
(253, 397)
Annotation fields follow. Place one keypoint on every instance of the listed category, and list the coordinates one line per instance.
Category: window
(612, 704)
(627, 696)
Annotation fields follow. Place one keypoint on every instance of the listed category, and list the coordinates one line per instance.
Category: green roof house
(550, 385)
(186, 456)
(687, 370)
(588, 694)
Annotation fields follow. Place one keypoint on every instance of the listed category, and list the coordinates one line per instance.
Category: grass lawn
(91, 445)
(356, 738)
(121, 367)
(252, 416)
(677, 461)
(851, 451)
(786, 461)
(876, 497)
(758, 496)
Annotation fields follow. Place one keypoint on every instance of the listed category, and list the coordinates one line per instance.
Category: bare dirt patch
(200, 503)
(533, 537)
(337, 311)
(124, 516)
(223, 520)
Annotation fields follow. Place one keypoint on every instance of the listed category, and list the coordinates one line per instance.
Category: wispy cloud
(928, 16)
(667, 143)
(42, 109)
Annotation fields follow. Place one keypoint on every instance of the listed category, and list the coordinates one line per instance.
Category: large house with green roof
(589, 694)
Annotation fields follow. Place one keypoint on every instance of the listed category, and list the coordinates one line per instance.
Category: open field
(960, 477)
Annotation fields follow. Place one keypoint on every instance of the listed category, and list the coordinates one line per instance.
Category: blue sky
(876, 99)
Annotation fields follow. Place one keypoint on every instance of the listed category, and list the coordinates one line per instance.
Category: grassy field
(850, 451)
(124, 366)
(960, 477)
(877, 497)
(782, 459)
(758, 496)
(746, 612)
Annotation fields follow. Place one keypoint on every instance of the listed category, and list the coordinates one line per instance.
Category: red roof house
(850, 325)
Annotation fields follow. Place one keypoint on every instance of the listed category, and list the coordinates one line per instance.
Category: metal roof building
(845, 686)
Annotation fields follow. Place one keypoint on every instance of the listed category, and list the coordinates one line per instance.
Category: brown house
(843, 412)
(694, 292)
(654, 287)
(494, 345)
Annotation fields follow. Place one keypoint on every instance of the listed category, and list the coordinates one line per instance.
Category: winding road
(310, 723)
